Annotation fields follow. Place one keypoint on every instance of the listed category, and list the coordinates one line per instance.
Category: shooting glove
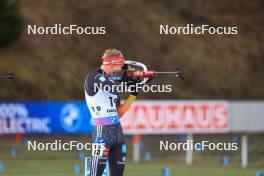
(133, 83)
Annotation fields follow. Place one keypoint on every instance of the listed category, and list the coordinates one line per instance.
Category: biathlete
(106, 110)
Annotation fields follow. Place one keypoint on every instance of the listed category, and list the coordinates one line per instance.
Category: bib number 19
(112, 101)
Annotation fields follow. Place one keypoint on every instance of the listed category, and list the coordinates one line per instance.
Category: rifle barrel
(166, 72)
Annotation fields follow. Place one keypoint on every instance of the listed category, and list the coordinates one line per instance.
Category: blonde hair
(111, 53)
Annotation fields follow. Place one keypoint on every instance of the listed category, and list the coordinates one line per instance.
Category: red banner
(159, 117)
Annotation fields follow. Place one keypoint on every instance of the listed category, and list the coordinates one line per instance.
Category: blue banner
(45, 118)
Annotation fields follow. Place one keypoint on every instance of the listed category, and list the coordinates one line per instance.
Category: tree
(10, 22)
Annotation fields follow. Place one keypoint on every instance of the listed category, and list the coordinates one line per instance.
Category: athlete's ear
(105, 68)
(102, 66)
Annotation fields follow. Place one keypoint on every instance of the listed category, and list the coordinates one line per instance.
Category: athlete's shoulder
(96, 76)
(92, 79)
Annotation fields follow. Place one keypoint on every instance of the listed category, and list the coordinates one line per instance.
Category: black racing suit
(112, 135)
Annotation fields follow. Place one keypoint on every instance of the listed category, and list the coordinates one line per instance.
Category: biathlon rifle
(140, 70)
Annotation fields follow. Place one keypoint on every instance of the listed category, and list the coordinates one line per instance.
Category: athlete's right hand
(133, 83)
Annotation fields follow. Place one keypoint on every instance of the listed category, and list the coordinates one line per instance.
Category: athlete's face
(112, 70)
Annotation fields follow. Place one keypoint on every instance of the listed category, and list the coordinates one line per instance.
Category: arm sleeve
(122, 109)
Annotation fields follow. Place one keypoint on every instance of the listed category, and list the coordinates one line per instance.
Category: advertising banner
(169, 117)
(144, 117)
(44, 118)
